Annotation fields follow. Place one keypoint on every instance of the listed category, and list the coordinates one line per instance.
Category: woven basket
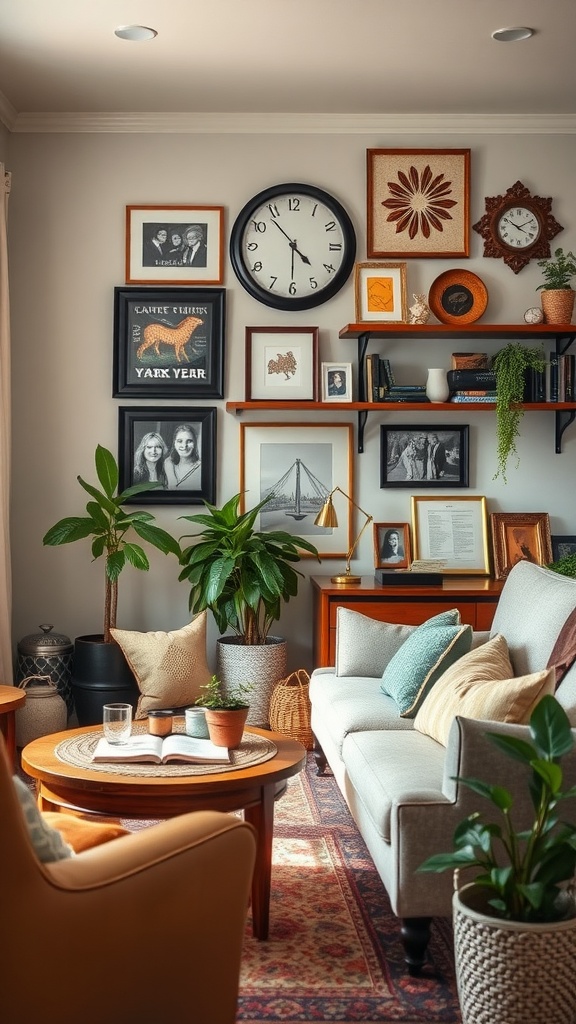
(44, 711)
(509, 972)
(290, 708)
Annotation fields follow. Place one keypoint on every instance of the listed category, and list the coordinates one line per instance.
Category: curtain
(6, 661)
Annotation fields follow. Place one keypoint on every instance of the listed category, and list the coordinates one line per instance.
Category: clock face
(293, 246)
(518, 227)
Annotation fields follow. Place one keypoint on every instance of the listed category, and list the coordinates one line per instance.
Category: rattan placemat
(78, 751)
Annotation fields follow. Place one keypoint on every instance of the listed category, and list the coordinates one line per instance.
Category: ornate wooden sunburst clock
(517, 227)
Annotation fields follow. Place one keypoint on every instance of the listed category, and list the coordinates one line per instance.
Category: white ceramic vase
(437, 385)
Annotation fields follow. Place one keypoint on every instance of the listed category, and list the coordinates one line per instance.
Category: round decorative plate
(458, 297)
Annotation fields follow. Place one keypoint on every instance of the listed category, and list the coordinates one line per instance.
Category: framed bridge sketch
(282, 364)
(169, 342)
(300, 466)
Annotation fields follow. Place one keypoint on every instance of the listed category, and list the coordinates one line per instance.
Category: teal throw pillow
(423, 657)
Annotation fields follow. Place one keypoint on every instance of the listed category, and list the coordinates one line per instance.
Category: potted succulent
(557, 293)
(517, 919)
(511, 365)
(226, 711)
(243, 576)
(98, 661)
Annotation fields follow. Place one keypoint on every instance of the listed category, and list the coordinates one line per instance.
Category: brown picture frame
(174, 263)
(381, 533)
(517, 536)
(281, 364)
(395, 226)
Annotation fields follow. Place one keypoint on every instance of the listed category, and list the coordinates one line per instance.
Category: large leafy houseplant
(240, 574)
(522, 872)
(108, 522)
(510, 365)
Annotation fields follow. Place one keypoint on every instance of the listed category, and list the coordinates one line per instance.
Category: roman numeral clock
(517, 227)
(293, 246)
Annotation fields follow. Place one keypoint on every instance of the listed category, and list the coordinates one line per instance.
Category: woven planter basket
(290, 708)
(260, 666)
(558, 305)
(509, 972)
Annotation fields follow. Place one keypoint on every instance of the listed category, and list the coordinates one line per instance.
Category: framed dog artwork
(169, 342)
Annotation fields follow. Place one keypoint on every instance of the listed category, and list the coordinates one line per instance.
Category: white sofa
(398, 782)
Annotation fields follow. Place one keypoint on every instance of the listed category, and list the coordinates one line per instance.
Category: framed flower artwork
(418, 203)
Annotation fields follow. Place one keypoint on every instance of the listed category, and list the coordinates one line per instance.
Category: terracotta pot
(226, 728)
(558, 305)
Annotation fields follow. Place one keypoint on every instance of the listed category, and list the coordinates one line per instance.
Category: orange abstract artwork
(380, 292)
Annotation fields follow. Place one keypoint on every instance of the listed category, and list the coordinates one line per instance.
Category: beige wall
(67, 253)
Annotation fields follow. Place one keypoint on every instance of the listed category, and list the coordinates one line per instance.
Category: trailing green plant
(558, 270)
(566, 566)
(107, 522)
(510, 365)
(523, 871)
(216, 698)
(241, 575)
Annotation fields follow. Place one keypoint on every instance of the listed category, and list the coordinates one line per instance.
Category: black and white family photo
(174, 450)
(424, 457)
(171, 245)
(174, 244)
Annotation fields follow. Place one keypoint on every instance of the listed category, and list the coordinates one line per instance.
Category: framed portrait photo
(282, 364)
(174, 446)
(562, 546)
(380, 292)
(174, 244)
(336, 382)
(418, 203)
(520, 536)
(453, 531)
(424, 456)
(169, 342)
(391, 545)
(299, 465)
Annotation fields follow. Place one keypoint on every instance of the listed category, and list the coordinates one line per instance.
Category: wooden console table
(475, 596)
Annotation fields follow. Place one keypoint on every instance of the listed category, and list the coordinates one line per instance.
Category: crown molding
(289, 124)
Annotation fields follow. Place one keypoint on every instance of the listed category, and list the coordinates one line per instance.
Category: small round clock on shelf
(534, 315)
(293, 246)
(517, 227)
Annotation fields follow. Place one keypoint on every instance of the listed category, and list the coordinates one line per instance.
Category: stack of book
(472, 385)
(381, 385)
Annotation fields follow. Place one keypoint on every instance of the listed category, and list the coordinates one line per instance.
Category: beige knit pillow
(481, 685)
(169, 667)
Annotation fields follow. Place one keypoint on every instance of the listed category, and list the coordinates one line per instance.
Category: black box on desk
(403, 578)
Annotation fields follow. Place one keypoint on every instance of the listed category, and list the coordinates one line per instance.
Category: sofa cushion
(82, 833)
(169, 667)
(421, 660)
(364, 646)
(481, 685)
(354, 704)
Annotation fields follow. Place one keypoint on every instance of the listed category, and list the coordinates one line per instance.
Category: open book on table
(155, 750)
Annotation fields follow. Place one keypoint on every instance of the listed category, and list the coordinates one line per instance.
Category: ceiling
(346, 57)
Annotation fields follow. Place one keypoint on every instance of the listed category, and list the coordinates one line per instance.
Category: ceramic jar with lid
(47, 654)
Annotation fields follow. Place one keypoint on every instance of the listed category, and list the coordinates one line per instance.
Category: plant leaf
(106, 470)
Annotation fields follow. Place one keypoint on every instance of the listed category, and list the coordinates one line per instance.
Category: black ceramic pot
(100, 675)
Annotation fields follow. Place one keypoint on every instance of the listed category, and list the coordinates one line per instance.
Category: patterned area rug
(334, 951)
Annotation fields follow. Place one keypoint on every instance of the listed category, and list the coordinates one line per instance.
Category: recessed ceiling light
(135, 32)
(512, 35)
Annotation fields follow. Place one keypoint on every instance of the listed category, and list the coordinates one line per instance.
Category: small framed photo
(300, 465)
(418, 203)
(169, 342)
(562, 546)
(453, 531)
(336, 382)
(380, 292)
(282, 364)
(175, 446)
(174, 244)
(391, 545)
(424, 456)
(518, 536)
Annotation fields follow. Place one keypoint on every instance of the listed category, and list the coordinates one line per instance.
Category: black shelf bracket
(363, 340)
(564, 417)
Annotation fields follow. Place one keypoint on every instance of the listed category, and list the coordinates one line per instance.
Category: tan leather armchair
(146, 928)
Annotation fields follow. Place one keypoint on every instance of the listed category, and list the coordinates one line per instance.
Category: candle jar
(160, 723)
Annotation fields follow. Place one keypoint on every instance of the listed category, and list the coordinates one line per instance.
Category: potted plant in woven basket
(557, 294)
(244, 576)
(515, 924)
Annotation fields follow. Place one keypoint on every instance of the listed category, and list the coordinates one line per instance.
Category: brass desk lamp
(327, 517)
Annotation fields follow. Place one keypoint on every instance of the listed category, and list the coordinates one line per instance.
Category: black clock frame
(286, 301)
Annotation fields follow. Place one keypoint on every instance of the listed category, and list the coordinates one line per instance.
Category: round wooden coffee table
(62, 786)
(11, 697)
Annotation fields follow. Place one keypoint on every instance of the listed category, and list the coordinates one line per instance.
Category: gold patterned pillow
(169, 667)
(481, 685)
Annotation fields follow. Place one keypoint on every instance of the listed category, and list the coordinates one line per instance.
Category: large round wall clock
(517, 227)
(293, 246)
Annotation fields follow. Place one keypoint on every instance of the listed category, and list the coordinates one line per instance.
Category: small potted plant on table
(226, 712)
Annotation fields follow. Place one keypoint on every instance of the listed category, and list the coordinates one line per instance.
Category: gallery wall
(67, 208)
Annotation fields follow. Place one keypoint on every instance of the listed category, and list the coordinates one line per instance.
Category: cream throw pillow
(481, 685)
(169, 667)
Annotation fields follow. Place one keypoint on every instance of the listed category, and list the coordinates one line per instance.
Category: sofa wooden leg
(319, 757)
(415, 939)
